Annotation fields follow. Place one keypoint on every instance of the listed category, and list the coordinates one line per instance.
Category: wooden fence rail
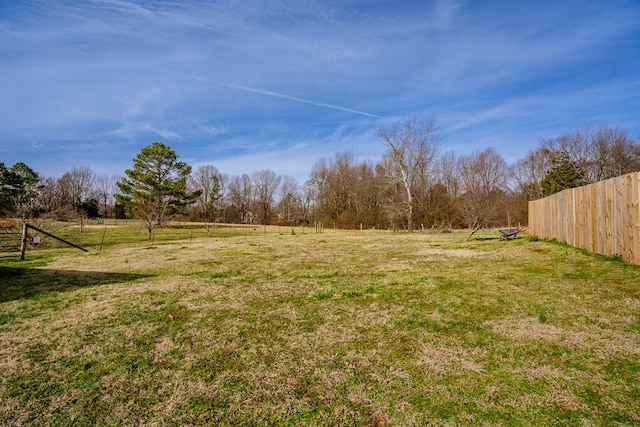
(603, 217)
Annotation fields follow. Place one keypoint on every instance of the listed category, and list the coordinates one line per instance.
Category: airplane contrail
(274, 94)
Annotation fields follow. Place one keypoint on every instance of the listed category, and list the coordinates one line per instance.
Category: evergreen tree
(156, 185)
(564, 173)
(4, 189)
(18, 189)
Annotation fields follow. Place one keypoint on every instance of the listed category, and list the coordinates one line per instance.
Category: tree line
(416, 184)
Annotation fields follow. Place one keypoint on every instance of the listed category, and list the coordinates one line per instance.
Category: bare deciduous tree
(105, 187)
(412, 144)
(289, 197)
(447, 173)
(601, 152)
(77, 185)
(332, 180)
(206, 179)
(223, 181)
(75, 188)
(266, 184)
(528, 173)
(307, 198)
(484, 178)
(365, 194)
(613, 153)
(241, 196)
(48, 197)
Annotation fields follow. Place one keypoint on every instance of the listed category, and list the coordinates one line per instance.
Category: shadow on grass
(19, 283)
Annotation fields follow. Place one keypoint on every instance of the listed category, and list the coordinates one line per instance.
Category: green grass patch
(323, 293)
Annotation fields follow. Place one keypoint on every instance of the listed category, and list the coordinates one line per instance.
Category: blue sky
(249, 85)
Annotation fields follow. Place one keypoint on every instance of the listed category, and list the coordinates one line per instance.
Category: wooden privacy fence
(603, 217)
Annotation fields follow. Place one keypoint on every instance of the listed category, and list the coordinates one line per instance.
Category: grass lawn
(338, 328)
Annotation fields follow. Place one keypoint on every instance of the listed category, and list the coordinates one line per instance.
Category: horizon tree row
(415, 184)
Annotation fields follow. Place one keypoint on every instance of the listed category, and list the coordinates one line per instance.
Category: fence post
(23, 243)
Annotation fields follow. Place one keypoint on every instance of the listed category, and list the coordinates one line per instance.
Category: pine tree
(564, 173)
(155, 185)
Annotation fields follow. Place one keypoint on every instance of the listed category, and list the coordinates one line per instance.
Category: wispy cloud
(278, 95)
(132, 129)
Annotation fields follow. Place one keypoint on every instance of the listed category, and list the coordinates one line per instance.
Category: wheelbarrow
(510, 233)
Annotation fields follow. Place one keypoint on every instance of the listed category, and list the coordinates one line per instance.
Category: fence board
(602, 218)
(633, 201)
